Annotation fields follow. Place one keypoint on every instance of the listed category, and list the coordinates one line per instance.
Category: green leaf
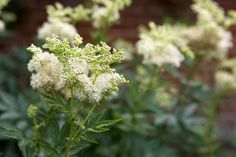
(88, 138)
(97, 130)
(27, 147)
(102, 125)
(78, 147)
(50, 151)
(10, 131)
(64, 133)
(54, 130)
(105, 123)
(54, 99)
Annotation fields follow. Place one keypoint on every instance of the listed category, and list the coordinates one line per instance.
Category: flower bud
(32, 111)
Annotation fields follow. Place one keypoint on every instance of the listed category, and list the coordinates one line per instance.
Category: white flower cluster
(106, 12)
(81, 72)
(210, 40)
(67, 14)
(2, 25)
(208, 11)
(61, 20)
(62, 29)
(160, 46)
(47, 71)
(3, 3)
(226, 77)
(209, 36)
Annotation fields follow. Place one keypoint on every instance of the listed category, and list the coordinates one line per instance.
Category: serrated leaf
(11, 132)
(49, 149)
(27, 147)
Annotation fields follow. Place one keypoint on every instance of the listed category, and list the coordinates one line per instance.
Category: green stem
(36, 136)
(47, 121)
(71, 138)
(212, 116)
(69, 142)
(71, 116)
(85, 120)
(73, 130)
(89, 114)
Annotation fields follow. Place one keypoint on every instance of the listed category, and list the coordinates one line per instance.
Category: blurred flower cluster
(5, 16)
(62, 20)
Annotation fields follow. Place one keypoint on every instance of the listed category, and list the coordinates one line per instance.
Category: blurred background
(31, 14)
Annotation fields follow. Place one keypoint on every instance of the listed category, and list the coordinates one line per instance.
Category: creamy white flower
(203, 15)
(62, 29)
(155, 53)
(77, 66)
(208, 11)
(47, 72)
(76, 73)
(106, 82)
(170, 55)
(2, 25)
(224, 79)
(192, 34)
(210, 39)
(225, 42)
(105, 15)
(146, 46)
(50, 74)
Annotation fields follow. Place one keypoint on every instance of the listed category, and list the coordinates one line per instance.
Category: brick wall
(32, 14)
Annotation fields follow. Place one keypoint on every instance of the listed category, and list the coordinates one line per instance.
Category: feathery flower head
(61, 21)
(62, 29)
(208, 11)
(61, 13)
(209, 36)
(162, 45)
(65, 66)
(210, 40)
(225, 78)
(106, 12)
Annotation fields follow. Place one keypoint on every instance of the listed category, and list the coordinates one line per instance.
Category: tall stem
(36, 136)
(85, 120)
(76, 132)
(212, 115)
(71, 116)
(67, 151)
(89, 114)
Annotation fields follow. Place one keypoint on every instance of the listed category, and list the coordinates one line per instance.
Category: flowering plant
(70, 78)
(168, 98)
